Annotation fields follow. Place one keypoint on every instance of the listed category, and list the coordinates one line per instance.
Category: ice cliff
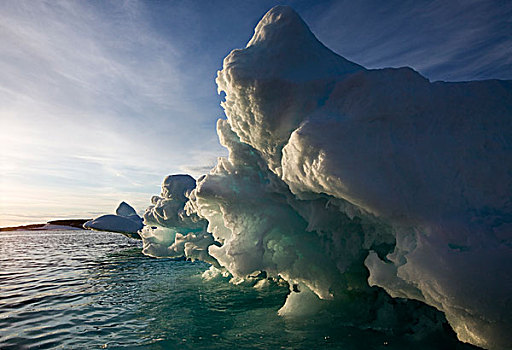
(342, 179)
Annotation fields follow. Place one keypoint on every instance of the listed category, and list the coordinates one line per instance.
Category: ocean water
(92, 290)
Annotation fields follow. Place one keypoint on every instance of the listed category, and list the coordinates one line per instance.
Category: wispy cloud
(99, 100)
(92, 97)
(444, 40)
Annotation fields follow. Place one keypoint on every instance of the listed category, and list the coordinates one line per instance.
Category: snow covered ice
(340, 178)
(125, 221)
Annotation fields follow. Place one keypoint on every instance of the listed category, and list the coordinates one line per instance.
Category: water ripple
(92, 290)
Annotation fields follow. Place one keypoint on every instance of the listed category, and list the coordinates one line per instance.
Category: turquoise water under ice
(87, 290)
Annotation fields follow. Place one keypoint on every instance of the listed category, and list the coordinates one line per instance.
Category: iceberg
(362, 188)
(125, 221)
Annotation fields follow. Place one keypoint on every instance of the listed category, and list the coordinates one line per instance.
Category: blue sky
(99, 100)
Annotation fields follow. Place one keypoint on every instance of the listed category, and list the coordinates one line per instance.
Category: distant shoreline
(76, 223)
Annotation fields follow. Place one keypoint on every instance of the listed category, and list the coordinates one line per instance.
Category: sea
(77, 289)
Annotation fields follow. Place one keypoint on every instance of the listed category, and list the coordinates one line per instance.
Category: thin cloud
(101, 100)
(92, 103)
(443, 40)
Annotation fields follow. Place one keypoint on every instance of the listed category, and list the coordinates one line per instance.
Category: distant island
(75, 223)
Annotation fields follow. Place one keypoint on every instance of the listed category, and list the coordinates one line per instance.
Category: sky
(100, 100)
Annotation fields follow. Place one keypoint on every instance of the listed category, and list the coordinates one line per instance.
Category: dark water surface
(91, 290)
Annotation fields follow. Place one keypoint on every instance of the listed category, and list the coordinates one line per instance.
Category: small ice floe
(125, 221)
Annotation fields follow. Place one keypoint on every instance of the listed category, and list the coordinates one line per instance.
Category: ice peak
(283, 10)
(279, 23)
(124, 209)
(284, 47)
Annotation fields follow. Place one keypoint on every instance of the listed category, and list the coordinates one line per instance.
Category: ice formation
(125, 221)
(127, 211)
(169, 231)
(340, 178)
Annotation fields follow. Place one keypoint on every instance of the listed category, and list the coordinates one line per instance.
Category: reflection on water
(86, 289)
